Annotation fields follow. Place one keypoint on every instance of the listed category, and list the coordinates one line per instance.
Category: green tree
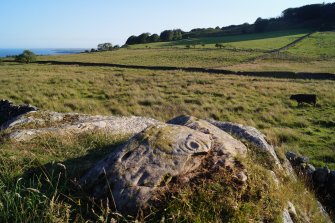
(26, 57)
(177, 34)
(143, 38)
(167, 35)
(154, 38)
(105, 46)
(131, 40)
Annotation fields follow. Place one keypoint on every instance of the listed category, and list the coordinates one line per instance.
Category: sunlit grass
(260, 102)
(256, 41)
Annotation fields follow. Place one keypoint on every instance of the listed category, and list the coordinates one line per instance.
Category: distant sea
(13, 52)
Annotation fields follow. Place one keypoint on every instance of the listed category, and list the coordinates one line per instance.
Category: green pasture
(256, 41)
(260, 102)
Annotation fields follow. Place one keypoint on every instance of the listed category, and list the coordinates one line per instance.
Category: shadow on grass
(59, 182)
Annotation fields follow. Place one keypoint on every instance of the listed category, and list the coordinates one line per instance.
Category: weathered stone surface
(291, 156)
(296, 159)
(287, 217)
(275, 178)
(309, 170)
(251, 135)
(204, 126)
(324, 213)
(152, 158)
(44, 122)
(291, 209)
(289, 214)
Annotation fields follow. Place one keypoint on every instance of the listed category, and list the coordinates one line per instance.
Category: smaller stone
(324, 212)
(309, 170)
(291, 210)
(302, 159)
(275, 178)
(242, 177)
(291, 156)
(287, 217)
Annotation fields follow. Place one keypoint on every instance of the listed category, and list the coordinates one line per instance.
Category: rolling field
(163, 57)
(313, 54)
(255, 42)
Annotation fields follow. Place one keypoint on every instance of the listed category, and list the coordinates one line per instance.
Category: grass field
(319, 46)
(37, 178)
(263, 103)
(257, 41)
(163, 57)
(314, 54)
(46, 193)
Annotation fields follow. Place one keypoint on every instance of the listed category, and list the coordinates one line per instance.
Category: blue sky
(85, 23)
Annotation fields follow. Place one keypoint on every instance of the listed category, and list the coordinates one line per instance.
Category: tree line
(165, 36)
(315, 16)
(321, 16)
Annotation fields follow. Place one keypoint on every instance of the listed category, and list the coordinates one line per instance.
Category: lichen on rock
(156, 155)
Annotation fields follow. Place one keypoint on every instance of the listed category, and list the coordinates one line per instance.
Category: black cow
(306, 98)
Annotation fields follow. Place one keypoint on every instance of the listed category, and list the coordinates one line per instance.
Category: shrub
(26, 57)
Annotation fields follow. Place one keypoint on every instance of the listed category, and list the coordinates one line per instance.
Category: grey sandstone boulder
(27, 126)
(254, 137)
(135, 172)
(248, 133)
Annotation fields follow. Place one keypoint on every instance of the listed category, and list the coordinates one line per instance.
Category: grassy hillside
(320, 46)
(313, 54)
(256, 41)
(162, 57)
(244, 52)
